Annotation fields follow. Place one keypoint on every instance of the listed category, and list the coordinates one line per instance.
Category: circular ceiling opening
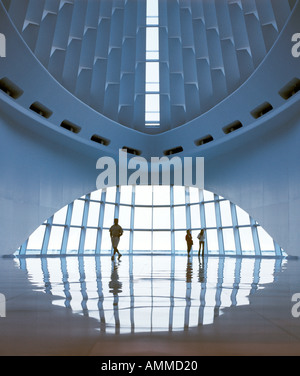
(150, 65)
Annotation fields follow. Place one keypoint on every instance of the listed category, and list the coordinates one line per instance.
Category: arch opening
(154, 220)
(155, 287)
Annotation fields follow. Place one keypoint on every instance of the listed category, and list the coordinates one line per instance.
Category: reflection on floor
(150, 293)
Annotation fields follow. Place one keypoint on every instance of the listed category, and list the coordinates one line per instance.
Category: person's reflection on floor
(189, 270)
(201, 273)
(189, 277)
(115, 287)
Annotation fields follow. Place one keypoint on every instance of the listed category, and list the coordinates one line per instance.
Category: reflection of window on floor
(154, 219)
(158, 292)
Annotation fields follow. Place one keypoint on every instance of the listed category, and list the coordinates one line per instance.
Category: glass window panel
(126, 194)
(210, 214)
(90, 239)
(152, 55)
(143, 195)
(180, 217)
(152, 20)
(35, 240)
(180, 243)
(73, 239)
(195, 216)
(208, 196)
(194, 195)
(110, 194)
(143, 218)
(124, 242)
(93, 214)
(152, 102)
(195, 233)
(152, 41)
(152, 72)
(125, 216)
(152, 87)
(105, 241)
(228, 239)
(109, 215)
(152, 8)
(161, 195)
(225, 213)
(77, 213)
(142, 241)
(161, 218)
(179, 195)
(246, 239)
(162, 241)
(96, 195)
(265, 240)
(60, 216)
(152, 116)
(242, 216)
(212, 240)
(56, 236)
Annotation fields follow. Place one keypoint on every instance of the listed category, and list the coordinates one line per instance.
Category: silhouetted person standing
(189, 241)
(116, 232)
(201, 237)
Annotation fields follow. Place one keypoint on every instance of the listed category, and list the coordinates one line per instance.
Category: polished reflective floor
(150, 293)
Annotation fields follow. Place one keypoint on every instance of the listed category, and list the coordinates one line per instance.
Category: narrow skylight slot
(152, 76)
(152, 43)
(152, 12)
(152, 98)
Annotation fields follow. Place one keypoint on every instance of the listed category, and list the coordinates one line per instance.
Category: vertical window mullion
(47, 236)
(152, 219)
(117, 202)
(172, 289)
(83, 224)
(131, 234)
(235, 229)
(67, 229)
(188, 208)
(278, 251)
(172, 219)
(219, 225)
(101, 220)
(202, 217)
(23, 247)
(257, 248)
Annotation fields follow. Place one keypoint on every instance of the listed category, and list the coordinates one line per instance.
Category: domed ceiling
(151, 65)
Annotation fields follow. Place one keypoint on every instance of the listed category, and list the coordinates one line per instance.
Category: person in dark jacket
(189, 241)
(116, 232)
